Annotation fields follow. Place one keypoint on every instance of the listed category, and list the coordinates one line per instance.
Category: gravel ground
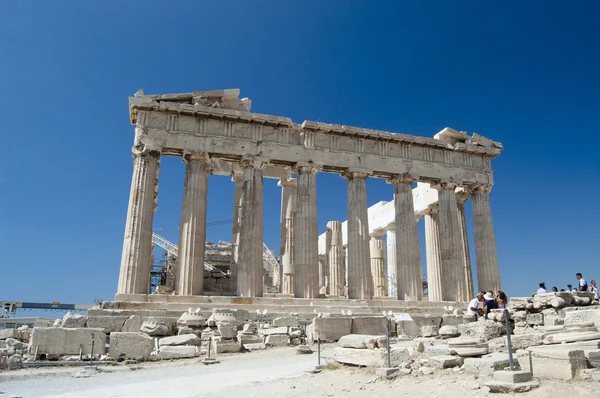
(257, 374)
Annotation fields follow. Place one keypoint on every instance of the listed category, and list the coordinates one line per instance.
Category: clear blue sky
(523, 73)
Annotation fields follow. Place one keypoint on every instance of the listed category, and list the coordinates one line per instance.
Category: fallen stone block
(512, 376)
(132, 324)
(156, 327)
(67, 341)
(419, 344)
(361, 341)
(375, 358)
(276, 340)
(15, 344)
(483, 328)
(279, 330)
(369, 325)
(503, 387)
(227, 330)
(429, 330)
(593, 358)
(191, 320)
(583, 316)
(488, 364)
(176, 352)
(570, 337)
(223, 346)
(253, 346)
(182, 339)
(449, 331)
(445, 361)
(520, 303)
(303, 349)
(74, 321)
(535, 319)
(521, 341)
(243, 338)
(14, 362)
(286, 321)
(223, 315)
(330, 329)
(468, 347)
(436, 349)
(130, 345)
(107, 323)
(553, 362)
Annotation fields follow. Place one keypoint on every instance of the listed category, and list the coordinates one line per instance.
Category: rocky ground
(256, 374)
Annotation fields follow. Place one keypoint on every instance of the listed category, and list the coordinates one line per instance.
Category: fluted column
(488, 271)
(453, 280)
(360, 279)
(378, 266)
(189, 272)
(336, 259)
(433, 253)
(462, 197)
(306, 250)
(408, 256)
(250, 264)
(136, 259)
(238, 179)
(392, 277)
(286, 252)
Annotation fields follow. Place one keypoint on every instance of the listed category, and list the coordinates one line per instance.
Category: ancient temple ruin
(215, 132)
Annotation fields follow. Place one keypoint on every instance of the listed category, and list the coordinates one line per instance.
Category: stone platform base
(159, 305)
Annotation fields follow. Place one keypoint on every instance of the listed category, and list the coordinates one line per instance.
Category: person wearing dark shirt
(489, 303)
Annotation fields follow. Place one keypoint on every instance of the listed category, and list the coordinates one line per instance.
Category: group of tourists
(582, 286)
(485, 302)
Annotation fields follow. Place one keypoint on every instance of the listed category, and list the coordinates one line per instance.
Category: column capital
(253, 161)
(404, 178)
(304, 167)
(444, 185)
(355, 174)
(486, 188)
(287, 182)
(462, 195)
(189, 156)
(145, 150)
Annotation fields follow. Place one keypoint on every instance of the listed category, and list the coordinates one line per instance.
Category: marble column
(336, 259)
(408, 256)
(488, 271)
(360, 279)
(453, 280)
(286, 252)
(189, 271)
(136, 259)
(250, 263)
(462, 197)
(378, 266)
(392, 278)
(306, 234)
(238, 179)
(433, 253)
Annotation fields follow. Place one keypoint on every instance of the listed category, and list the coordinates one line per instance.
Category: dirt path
(257, 374)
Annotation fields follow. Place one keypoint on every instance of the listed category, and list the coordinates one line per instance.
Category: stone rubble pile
(123, 337)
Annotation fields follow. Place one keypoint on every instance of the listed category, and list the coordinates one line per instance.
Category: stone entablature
(173, 124)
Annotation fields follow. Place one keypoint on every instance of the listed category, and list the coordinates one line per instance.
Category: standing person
(501, 300)
(542, 289)
(571, 289)
(583, 287)
(594, 289)
(475, 305)
(554, 289)
(489, 303)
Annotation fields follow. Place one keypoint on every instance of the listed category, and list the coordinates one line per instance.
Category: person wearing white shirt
(542, 289)
(475, 305)
(583, 287)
